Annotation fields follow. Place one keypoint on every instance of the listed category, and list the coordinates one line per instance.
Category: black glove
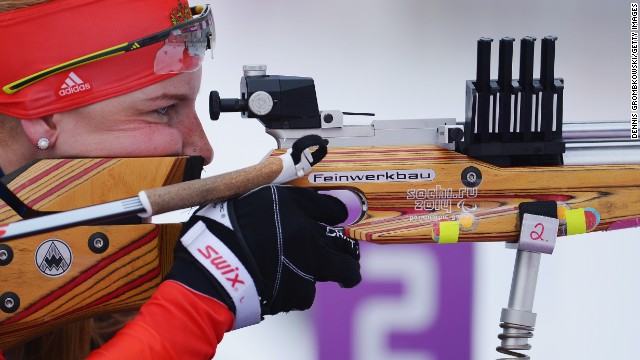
(278, 245)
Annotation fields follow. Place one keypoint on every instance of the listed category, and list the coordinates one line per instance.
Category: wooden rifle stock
(121, 278)
(54, 278)
(411, 189)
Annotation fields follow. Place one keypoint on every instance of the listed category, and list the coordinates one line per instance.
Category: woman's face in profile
(159, 120)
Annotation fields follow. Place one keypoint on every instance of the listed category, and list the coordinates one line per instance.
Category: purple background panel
(446, 332)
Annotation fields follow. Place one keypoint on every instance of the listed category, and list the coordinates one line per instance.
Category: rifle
(408, 181)
(412, 175)
(55, 270)
(436, 180)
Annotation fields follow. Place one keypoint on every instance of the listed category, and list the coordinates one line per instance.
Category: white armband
(223, 264)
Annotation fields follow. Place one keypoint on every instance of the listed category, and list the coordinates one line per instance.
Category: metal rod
(605, 130)
(518, 320)
(525, 278)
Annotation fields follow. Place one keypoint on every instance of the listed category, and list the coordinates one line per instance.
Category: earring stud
(43, 143)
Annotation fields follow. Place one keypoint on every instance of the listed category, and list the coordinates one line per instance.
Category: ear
(39, 128)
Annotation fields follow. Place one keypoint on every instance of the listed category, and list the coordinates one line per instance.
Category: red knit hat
(40, 38)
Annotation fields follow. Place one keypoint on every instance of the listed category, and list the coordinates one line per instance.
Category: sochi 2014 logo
(53, 257)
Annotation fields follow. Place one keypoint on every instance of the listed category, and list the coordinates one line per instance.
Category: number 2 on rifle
(535, 235)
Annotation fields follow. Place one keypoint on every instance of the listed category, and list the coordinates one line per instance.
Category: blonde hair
(8, 127)
(7, 5)
(72, 341)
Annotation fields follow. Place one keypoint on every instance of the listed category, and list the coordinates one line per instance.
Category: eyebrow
(166, 96)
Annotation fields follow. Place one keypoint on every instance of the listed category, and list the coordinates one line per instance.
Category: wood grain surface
(88, 284)
(406, 211)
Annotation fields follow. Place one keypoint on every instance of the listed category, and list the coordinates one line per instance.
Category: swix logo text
(229, 272)
(73, 84)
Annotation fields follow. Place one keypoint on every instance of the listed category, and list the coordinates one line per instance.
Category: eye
(163, 110)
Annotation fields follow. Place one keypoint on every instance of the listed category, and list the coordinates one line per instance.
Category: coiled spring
(523, 332)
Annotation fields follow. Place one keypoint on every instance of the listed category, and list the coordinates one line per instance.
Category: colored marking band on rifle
(576, 221)
(446, 232)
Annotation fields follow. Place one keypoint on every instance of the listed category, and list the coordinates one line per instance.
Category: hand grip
(210, 190)
(235, 183)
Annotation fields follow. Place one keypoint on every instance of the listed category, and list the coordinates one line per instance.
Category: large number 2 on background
(376, 318)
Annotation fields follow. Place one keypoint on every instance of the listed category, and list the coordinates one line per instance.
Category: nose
(196, 142)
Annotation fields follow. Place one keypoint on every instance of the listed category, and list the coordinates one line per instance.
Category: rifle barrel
(619, 130)
(600, 143)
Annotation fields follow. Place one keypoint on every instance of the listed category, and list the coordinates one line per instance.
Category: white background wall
(409, 59)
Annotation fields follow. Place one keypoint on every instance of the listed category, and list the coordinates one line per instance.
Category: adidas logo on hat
(73, 84)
